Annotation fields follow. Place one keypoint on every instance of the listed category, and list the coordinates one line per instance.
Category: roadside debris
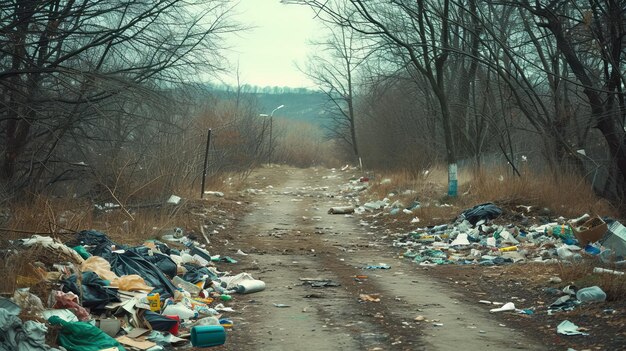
(369, 297)
(568, 328)
(100, 295)
(341, 210)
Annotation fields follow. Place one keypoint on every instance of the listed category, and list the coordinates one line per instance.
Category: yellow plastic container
(155, 302)
(508, 248)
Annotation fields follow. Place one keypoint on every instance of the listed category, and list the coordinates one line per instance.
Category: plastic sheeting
(100, 266)
(131, 282)
(99, 243)
(82, 336)
(94, 292)
(196, 273)
(131, 262)
(163, 262)
(29, 336)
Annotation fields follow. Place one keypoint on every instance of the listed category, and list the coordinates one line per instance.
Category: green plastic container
(208, 335)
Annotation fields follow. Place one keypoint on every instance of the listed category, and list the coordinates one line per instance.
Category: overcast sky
(267, 54)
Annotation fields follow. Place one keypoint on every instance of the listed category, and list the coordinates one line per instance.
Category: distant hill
(300, 103)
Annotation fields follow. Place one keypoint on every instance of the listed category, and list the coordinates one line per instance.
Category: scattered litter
(568, 328)
(281, 305)
(174, 200)
(369, 297)
(214, 193)
(609, 271)
(319, 283)
(591, 294)
(509, 306)
(341, 210)
(378, 266)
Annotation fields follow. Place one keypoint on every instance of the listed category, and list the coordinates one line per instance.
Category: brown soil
(288, 235)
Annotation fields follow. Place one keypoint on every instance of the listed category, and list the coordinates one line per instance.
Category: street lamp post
(271, 116)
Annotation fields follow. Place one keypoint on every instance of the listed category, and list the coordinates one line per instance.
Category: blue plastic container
(208, 335)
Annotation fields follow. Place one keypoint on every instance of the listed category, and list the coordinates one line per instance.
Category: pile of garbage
(91, 293)
(474, 239)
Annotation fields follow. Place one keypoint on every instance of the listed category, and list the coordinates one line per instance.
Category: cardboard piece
(140, 344)
(137, 332)
(591, 231)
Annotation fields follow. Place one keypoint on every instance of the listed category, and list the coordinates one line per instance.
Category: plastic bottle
(604, 270)
(187, 286)
(211, 320)
(508, 249)
(250, 286)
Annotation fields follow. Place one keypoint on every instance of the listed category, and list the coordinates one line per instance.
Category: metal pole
(269, 154)
(206, 161)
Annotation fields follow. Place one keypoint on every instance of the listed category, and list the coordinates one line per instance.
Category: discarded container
(591, 294)
(154, 300)
(616, 239)
(604, 270)
(508, 248)
(591, 231)
(208, 335)
(174, 329)
(250, 286)
(226, 323)
(211, 320)
(189, 287)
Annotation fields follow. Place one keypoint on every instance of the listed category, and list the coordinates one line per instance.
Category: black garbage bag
(486, 211)
(98, 244)
(131, 262)
(163, 262)
(195, 273)
(95, 294)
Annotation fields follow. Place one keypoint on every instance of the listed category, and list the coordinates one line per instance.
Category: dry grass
(48, 216)
(302, 144)
(567, 195)
(137, 220)
(581, 274)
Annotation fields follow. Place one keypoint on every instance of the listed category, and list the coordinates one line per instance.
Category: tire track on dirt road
(290, 236)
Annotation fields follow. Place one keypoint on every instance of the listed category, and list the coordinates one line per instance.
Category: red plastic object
(174, 329)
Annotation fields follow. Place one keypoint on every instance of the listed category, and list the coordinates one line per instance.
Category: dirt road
(289, 236)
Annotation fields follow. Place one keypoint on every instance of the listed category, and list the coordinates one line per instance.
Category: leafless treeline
(97, 91)
(458, 80)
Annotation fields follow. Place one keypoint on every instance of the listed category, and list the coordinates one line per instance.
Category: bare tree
(334, 69)
(67, 65)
